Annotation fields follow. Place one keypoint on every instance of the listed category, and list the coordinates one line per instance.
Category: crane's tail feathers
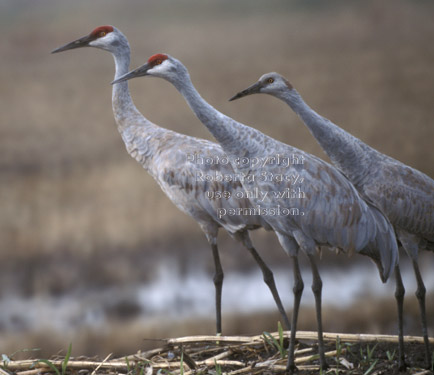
(383, 249)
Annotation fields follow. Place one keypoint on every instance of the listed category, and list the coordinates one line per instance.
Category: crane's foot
(291, 369)
(429, 356)
(324, 367)
(402, 366)
(428, 365)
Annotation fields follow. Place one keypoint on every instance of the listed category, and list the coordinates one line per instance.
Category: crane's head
(159, 65)
(270, 83)
(104, 37)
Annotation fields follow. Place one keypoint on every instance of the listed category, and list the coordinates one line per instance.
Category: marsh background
(93, 253)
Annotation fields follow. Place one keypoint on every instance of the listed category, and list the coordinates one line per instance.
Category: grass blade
(66, 360)
(50, 365)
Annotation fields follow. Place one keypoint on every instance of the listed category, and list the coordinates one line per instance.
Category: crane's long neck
(235, 138)
(346, 152)
(141, 137)
(124, 110)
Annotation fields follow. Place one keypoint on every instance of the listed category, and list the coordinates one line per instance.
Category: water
(179, 295)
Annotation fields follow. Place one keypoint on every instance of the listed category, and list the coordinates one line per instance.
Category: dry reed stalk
(425, 372)
(218, 357)
(24, 365)
(200, 353)
(301, 335)
(99, 366)
(28, 372)
(3, 372)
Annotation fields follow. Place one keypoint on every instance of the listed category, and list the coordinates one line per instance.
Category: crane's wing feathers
(194, 174)
(322, 204)
(405, 195)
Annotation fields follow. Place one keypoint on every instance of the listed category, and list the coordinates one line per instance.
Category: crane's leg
(218, 283)
(420, 294)
(399, 296)
(268, 279)
(317, 290)
(298, 291)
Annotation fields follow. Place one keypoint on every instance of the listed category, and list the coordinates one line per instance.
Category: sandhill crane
(177, 162)
(328, 211)
(404, 194)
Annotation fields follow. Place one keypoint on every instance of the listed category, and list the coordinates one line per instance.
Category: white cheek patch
(104, 41)
(163, 67)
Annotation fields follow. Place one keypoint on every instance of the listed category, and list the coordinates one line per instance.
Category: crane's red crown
(101, 31)
(157, 59)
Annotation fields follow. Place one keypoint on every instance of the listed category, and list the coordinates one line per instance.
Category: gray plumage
(164, 154)
(404, 194)
(331, 213)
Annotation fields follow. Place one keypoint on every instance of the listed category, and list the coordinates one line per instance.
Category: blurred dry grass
(66, 183)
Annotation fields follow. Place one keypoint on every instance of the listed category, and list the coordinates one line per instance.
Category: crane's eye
(158, 62)
(102, 33)
(270, 80)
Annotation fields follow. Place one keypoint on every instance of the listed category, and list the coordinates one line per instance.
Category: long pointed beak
(254, 89)
(81, 42)
(140, 71)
